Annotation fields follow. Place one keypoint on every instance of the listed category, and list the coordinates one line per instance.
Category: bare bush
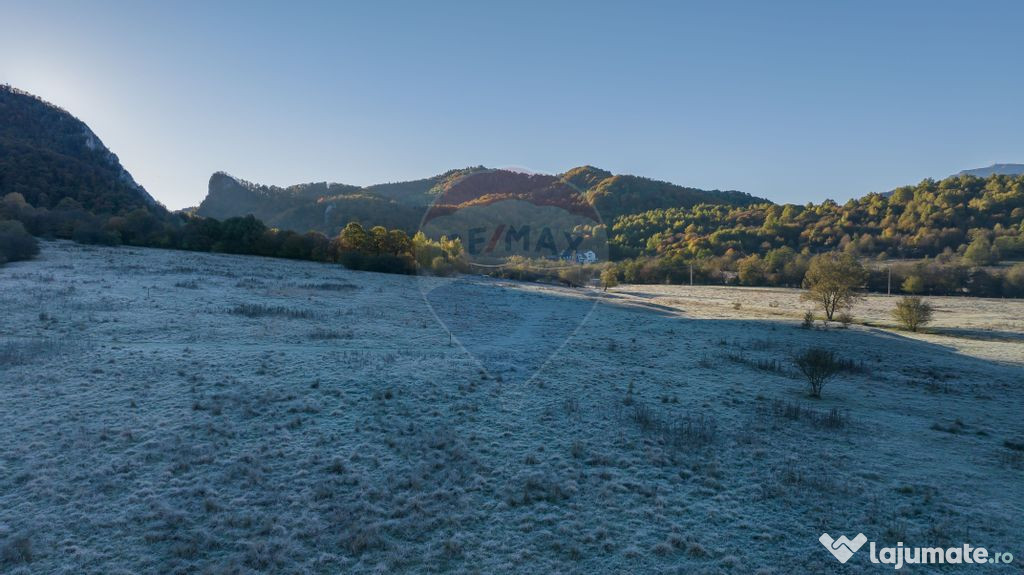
(818, 365)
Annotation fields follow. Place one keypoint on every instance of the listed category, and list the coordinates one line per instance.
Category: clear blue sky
(795, 101)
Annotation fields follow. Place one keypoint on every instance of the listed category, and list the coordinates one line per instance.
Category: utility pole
(888, 287)
(691, 274)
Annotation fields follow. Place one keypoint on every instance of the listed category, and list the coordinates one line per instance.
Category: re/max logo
(520, 240)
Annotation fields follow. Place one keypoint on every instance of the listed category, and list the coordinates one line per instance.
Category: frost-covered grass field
(170, 412)
(989, 328)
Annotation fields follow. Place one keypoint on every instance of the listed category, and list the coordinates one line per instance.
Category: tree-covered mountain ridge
(329, 206)
(647, 217)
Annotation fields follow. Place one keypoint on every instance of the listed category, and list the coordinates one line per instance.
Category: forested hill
(324, 207)
(48, 156)
(982, 218)
(618, 195)
(328, 207)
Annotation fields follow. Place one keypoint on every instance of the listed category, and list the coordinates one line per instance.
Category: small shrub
(850, 365)
(571, 405)
(21, 352)
(577, 450)
(330, 286)
(913, 313)
(954, 428)
(896, 529)
(770, 365)
(662, 548)
(818, 365)
(1014, 459)
(699, 430)
(687, 431)
(328, 334)
(845, 319)
(831, 419)
(16, 243)
(260, 310)
(17, 549)
(644, 417)
(537, 487)
(808, 322)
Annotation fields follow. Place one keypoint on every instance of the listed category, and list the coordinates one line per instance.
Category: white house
(587, 257)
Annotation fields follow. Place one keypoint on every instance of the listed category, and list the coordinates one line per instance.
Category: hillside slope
(47, 155)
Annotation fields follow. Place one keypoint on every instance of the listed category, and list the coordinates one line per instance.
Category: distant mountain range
(327, 207)
(995, 169)
(49, 156)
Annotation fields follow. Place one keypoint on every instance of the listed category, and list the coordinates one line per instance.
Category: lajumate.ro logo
(844, 548)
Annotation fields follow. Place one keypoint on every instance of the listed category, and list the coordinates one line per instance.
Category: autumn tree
(1013, 281)
(913, 284)
(398, 243)
(353, 239)
(609, 278)
(751, 270)
(980, 251)
(832, 280)
(378, 240)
